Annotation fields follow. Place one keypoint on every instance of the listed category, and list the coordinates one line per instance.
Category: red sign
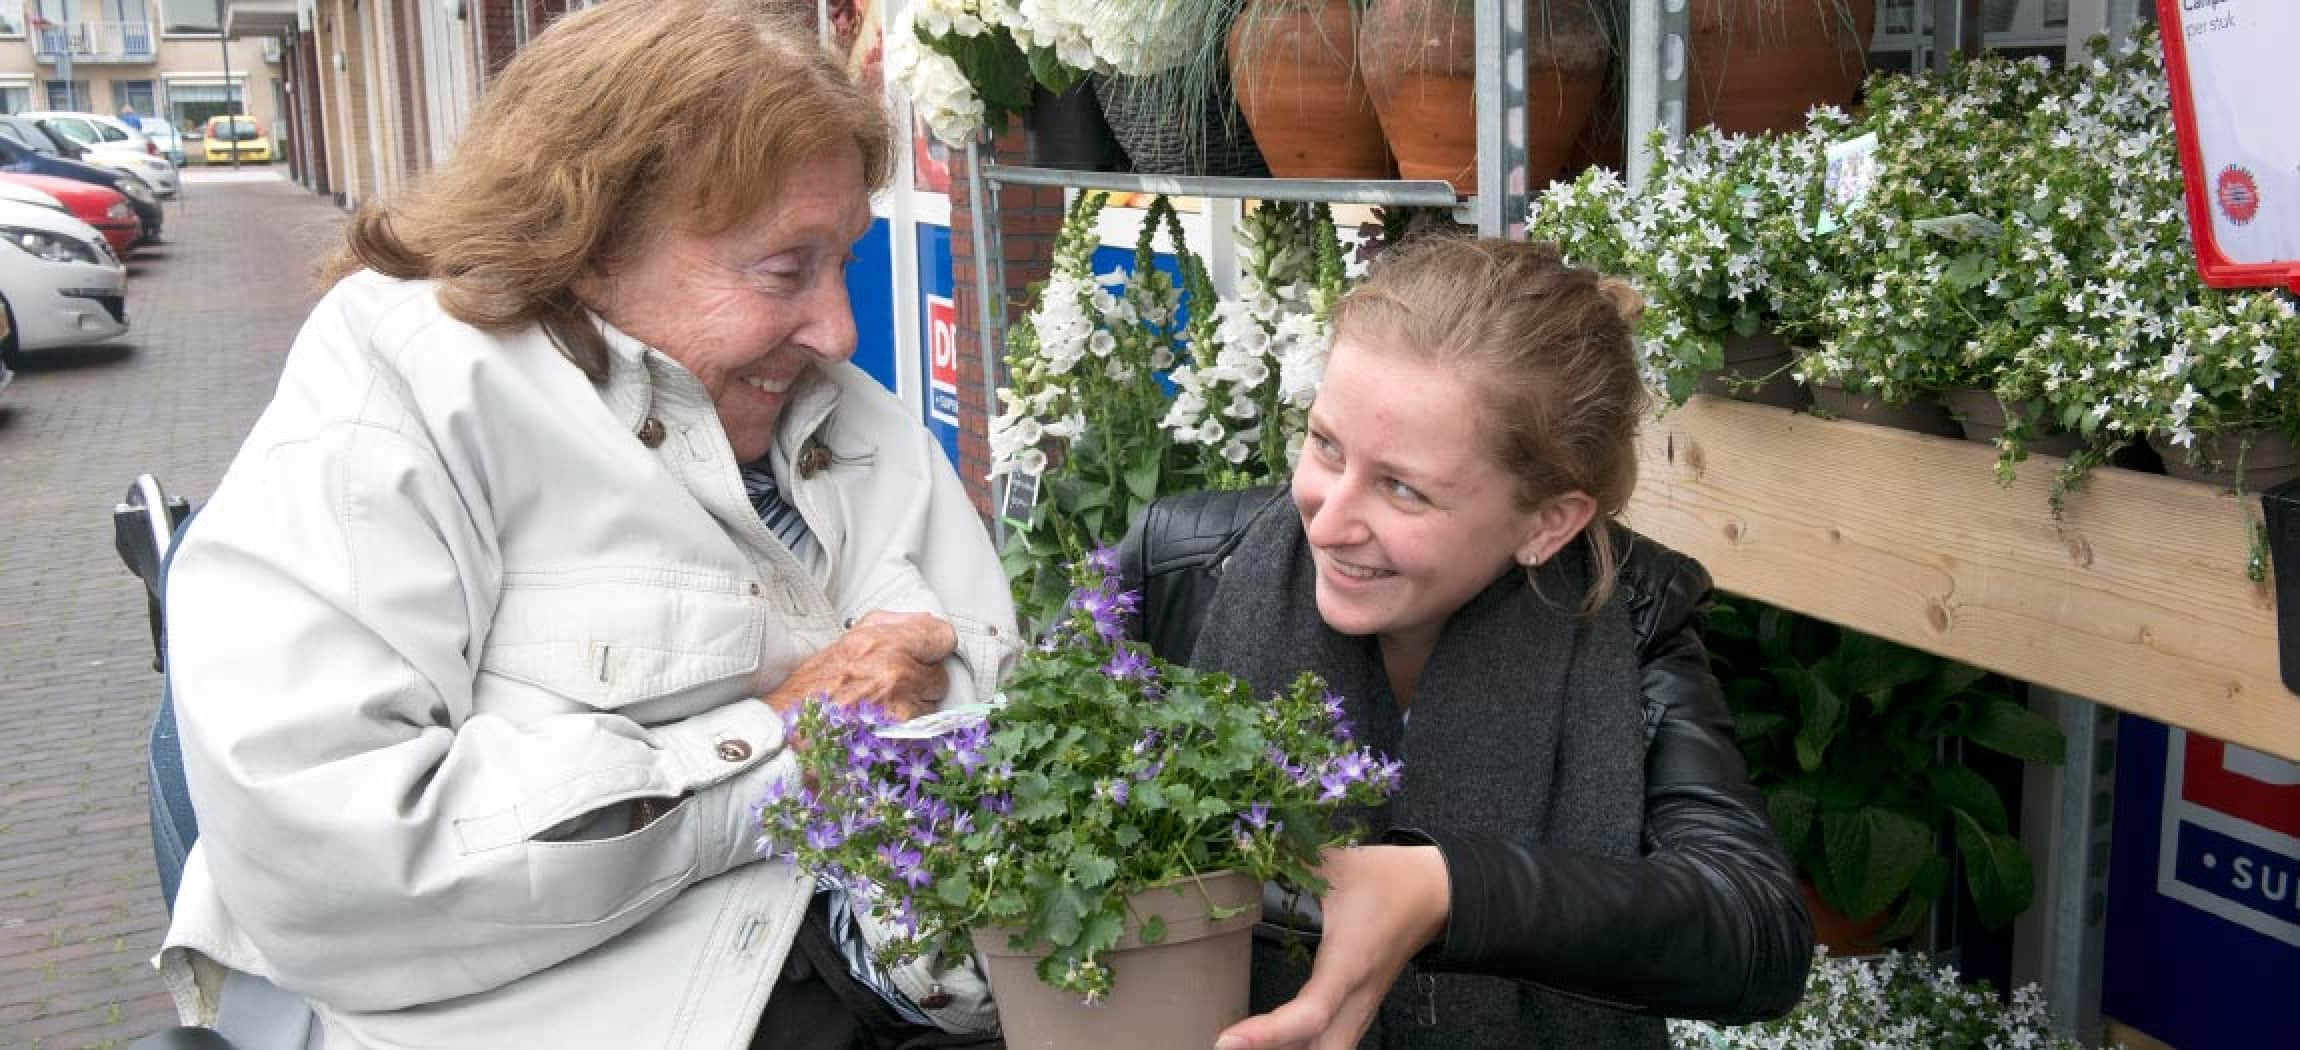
(942, 359)
(2239, 149)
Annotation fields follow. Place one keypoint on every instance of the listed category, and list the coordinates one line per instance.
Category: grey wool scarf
(1526, 726)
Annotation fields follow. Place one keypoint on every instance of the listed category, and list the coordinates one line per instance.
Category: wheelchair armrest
(182, 1039)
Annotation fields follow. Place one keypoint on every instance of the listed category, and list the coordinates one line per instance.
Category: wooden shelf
(2135, 598)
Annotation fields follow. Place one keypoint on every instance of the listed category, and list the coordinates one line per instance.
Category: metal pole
(989, 272)
(1655, 95)
(224, 45)
(64, 58)
(1501, 188)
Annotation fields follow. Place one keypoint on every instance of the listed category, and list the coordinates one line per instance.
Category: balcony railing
(96, 41)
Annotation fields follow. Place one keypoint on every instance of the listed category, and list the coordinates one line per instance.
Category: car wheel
(10, 356)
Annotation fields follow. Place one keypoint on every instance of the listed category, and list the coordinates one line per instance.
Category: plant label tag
(1021, 497)
(1851, 172)
(942, 723)
(1963, 226)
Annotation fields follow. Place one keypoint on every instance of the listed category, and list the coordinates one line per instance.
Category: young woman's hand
(891, 659)
(1383, 904)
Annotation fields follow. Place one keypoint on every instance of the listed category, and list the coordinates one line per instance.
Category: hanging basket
(1068, 131)
(1206, 135)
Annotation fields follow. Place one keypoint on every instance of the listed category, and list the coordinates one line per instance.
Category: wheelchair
(145, 527)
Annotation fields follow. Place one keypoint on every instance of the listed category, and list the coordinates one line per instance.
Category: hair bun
(1625, 298)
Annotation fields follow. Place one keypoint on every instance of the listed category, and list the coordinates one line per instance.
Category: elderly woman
(482, 649)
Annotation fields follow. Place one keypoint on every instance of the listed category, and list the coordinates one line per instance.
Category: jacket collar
(630, 392)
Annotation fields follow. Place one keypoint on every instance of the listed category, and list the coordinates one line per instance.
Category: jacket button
(755, 589)
(936, 1000)
(734, 750)
(651, 432)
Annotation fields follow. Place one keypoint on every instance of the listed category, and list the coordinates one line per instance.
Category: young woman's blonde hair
(1546, 345)
(615, 124)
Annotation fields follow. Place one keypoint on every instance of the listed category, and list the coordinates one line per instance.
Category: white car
(63, 285)
(113, 144)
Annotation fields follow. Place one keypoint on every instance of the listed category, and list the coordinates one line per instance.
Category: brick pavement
(212, 313)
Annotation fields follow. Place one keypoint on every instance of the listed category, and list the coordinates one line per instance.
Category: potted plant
(1893, 1000)
(1106, 813)
(1124, 386)
(1851, 737)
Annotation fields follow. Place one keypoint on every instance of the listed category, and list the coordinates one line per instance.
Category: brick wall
(1029, 217)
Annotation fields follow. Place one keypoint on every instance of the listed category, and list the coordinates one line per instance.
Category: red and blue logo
(2231, 843)
(942, 359)
(2237, 193)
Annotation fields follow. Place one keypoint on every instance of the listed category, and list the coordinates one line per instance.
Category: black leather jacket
(1709, 923)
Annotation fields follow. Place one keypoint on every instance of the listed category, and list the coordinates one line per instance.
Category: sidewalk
(212, 312)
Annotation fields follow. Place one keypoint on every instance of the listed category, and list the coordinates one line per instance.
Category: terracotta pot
(1924, 416)
(1295, 67)
(1757, 369)
(2267, 457)
(1181, 991)
(1758, 65)
(1843, 935)
(1983, 418)
(1419, 60)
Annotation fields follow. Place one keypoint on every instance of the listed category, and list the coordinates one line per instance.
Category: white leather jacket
(446, 615)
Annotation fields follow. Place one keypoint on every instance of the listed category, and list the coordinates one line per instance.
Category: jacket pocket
(584, 882)
(611, 637)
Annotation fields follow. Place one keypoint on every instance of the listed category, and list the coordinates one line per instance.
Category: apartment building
(164, 58)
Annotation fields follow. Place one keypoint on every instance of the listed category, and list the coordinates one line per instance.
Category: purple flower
(962, 825)
(1257, 816)
(1334, 785)
(1340, 717)
(1117, 790)
(1103, 560)
(1152, 771)
(824, 837)
(1000, 804)
(968, 747)
(1126, 664)
(904, 862)
(1149, 740)
(919, 768)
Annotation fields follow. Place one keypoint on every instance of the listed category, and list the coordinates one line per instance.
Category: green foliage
(1897, 1001)
(1850, 737)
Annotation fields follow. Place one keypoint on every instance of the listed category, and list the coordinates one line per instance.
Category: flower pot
(1295, 67)
(1068, 131)
(1924, 416)
(1983, 418)
(1845, 937)
(1758, 65)
(1419, 60)
(2267, 457)
(1181, 991)
(1180, 122)
(1757, 369)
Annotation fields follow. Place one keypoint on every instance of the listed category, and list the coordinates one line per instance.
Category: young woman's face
(1408, 511)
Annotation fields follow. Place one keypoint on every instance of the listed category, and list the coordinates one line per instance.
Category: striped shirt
(780, 517)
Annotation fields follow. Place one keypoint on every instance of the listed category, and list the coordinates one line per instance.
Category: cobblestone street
(212, 312)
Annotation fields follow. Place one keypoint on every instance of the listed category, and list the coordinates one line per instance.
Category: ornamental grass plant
(1100, 771)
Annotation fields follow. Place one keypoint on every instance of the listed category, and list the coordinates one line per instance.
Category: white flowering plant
(968, 64)
(1894, 1000)
(1122, 387)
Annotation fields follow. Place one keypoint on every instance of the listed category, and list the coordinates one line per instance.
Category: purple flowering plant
(1104, 772)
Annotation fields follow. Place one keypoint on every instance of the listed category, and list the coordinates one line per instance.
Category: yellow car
(224, 135)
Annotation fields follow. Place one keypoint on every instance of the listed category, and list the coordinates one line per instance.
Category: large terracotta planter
(1419, 60)
(1180, 992)
(1758, 65)
(1294, 65)
(1844, 936)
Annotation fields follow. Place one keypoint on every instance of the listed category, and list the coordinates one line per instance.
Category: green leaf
(1142, 476)
(1873, 853)
(1792, 812)
(1147, 797)
(1219, 913)
(1092, 870)
(954, 890)
(2008, 728)
(1964, 791)
(1823, 712)
(1060, 914)
(1996, 871)
(1153, 929)
(1051, 73)
(996, 68)
(1101, 930)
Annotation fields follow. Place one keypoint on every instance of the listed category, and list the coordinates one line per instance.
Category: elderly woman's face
(749, 309)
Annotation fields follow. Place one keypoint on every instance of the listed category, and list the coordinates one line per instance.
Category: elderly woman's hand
(891, 659)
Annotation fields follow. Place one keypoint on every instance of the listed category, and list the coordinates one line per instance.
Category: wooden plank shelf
(2136, 597)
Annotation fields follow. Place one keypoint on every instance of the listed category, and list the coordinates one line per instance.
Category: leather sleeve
(1173, 556)
(1709, 923)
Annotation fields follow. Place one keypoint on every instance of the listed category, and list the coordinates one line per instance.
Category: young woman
(1575, 851)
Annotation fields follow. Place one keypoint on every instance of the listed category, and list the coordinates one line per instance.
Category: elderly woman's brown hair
(617, 123)
(1548, 347)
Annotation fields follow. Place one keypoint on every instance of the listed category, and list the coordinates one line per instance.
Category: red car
(100, 207)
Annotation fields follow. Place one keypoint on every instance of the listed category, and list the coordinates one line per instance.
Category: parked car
(63, 285)
(166, 137)
(226, 134)
(26, 194)
(106, 210)
(7, 346)
(111, 143)
(25, 146)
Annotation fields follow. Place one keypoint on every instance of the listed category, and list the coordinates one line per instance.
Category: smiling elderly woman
(481, 650)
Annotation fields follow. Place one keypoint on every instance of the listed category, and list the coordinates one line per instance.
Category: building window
(193, 16)
(190, 105)
(137, 95)
(11, 23)
(16, 97)
(2055, 13)
(72, 97)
